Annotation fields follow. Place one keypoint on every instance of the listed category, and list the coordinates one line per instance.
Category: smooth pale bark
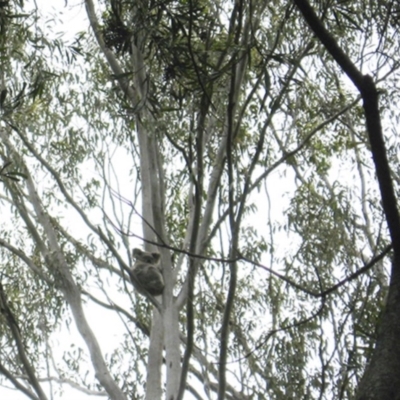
(152, 213)
(153, 380)
(57, 264)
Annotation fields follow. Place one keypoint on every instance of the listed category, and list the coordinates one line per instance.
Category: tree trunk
(381, 380)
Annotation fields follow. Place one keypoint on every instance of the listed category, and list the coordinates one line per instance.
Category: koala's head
(146, 257)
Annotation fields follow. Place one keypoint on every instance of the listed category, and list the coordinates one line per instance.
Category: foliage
(251, 143)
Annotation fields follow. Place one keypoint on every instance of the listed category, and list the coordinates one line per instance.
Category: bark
(153, 379)
(59, 270)
(19, 342)
(153, 217)
(57, 263)
(381, 380)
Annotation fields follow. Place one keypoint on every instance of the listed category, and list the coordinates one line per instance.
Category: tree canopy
(253, 145)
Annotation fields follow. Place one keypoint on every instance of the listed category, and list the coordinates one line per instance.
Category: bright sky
(106, 325)
(107, 328)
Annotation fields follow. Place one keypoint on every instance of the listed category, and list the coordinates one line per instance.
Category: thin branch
(75, 386)
(110, 56)
(370, 95)
(333, 288)
(16, 333)
(143, 328)
(57, 263)
(4, 371)
(285, 328)
(241, 37)
(20, 254)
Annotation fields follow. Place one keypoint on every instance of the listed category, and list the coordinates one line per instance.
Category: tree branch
(16, 383)
(369, 93)
(16, 333)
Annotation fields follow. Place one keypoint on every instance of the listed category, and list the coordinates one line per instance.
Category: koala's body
(147, 271)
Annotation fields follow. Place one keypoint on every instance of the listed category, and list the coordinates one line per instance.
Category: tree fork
(381, 380)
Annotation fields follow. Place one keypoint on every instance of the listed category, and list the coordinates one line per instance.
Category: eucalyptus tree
(223, 136)
(380, 380)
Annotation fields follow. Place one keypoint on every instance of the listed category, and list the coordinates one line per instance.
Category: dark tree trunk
(381, 380)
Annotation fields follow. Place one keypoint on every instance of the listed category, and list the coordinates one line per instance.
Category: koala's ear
(136, 252)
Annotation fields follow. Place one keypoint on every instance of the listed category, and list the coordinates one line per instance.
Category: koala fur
(148, 272)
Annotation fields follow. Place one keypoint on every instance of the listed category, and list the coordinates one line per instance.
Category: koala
(147, 271)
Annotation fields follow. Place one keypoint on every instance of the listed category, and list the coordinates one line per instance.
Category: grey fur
(147, 271)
